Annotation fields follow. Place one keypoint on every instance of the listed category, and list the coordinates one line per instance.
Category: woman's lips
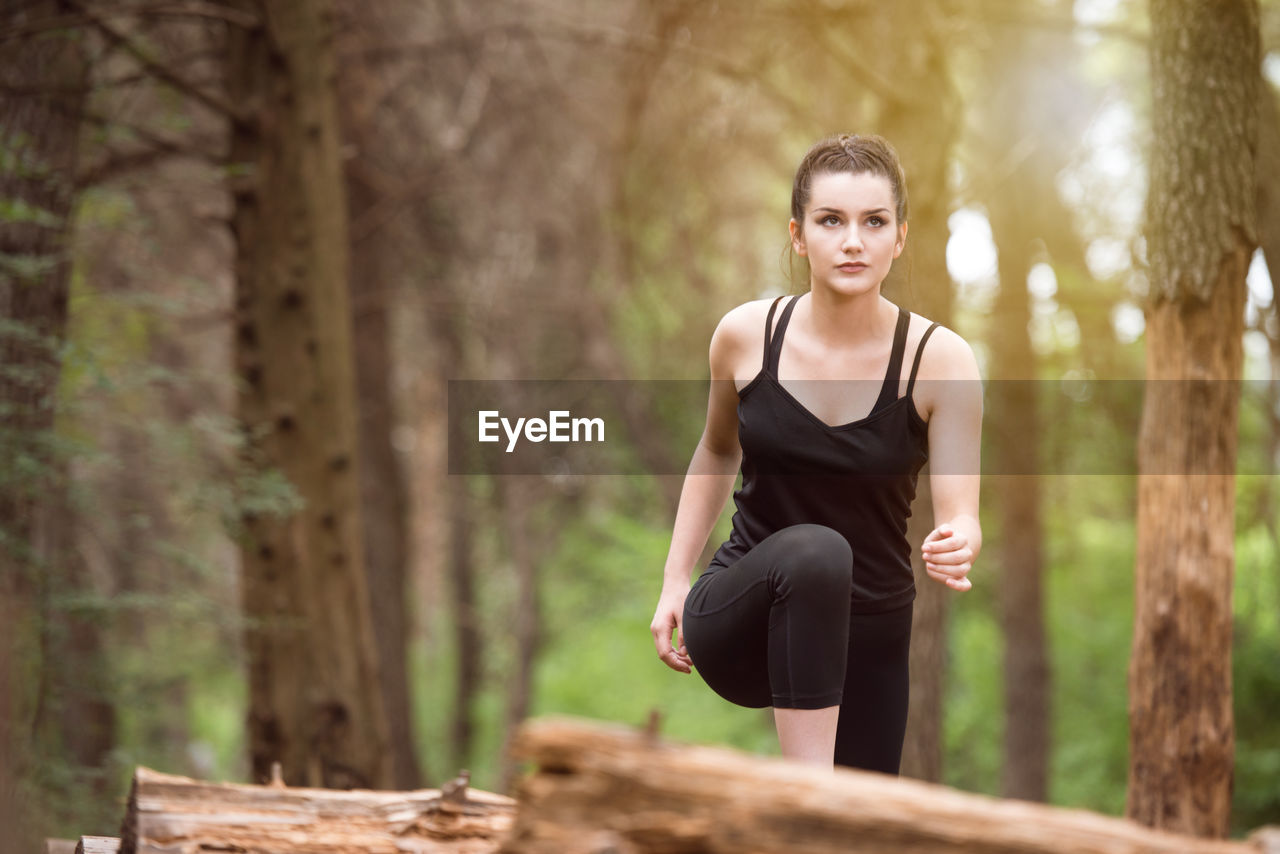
(852, 267)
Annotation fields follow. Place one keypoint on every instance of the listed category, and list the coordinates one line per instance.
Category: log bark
(599, 788)
(168, 813)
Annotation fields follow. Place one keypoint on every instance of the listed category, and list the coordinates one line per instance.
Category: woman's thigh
(772, 629)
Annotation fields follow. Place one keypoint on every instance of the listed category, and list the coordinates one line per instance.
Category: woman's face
(849, 233)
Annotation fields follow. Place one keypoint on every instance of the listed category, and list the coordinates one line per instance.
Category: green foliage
(1256, 676)
(1089, 603)
(19, 211)
(148, 493)
(972, 722)
(599, 659)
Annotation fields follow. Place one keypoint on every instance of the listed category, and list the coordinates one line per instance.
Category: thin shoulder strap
(915, 366)
(893, 375)
(768, 326)
(773, 344)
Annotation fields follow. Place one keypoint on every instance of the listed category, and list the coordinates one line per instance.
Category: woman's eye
(875, 220)
(830, 219)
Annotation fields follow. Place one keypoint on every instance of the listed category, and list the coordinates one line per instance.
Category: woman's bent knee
(815, 556)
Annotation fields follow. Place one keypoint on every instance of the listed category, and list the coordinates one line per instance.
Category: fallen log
(97, 845)
(599, 788)
(168, 814)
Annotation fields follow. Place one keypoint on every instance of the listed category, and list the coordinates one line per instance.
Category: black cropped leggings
(774, 629)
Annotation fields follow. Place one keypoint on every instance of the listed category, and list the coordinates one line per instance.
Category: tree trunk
(1268, 203)
(468, 639)
(383, 494)
(517, 496)
(1016, 493)
(39, 138)
(1268, 179)
(1200, 239)
(66, 706)
(315, 703)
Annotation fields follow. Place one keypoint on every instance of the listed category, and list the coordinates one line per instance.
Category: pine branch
(100, 86)
(618, 37)
(209, 11)
(117, 164)
(157, 148)
(162, 71)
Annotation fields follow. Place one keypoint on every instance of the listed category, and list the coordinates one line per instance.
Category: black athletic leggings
(774, 629)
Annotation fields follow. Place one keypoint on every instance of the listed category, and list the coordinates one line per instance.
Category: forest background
(559, 189)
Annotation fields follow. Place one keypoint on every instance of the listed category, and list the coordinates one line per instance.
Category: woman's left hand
(947, 557)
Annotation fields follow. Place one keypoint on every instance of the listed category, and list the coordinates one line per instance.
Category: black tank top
(858, 478)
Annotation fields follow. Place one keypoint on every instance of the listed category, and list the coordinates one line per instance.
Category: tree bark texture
(598, 788)
(315, 702)
(1268, 202)
(39, 141)
(1201, 235)
(1268, 179)
(925, 126)
(62, 695)
(167, 813)
(384, 496)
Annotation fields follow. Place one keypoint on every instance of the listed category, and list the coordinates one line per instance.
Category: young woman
(831, 401)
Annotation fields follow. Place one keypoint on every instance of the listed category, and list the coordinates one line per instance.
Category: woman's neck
(844, 322)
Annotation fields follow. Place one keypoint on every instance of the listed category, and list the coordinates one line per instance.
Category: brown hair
(855, 154)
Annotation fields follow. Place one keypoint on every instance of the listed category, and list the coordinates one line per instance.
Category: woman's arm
(952, 390)
(707, 485)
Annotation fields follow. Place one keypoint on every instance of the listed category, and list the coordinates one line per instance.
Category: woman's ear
(901, 241)
(797, 238)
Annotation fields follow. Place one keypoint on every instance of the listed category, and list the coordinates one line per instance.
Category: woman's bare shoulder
(743, 324)
(946, 355)
(747, 317)
(739, 337)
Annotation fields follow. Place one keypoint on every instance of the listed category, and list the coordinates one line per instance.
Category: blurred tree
(1034, 96)
(1268, 207)
(315, 699)
(376, 137)
(61, 696)
(1201, 236)
(467, 635)
(1014, 422)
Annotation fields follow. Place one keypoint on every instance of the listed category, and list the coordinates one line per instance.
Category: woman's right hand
(667, 619)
